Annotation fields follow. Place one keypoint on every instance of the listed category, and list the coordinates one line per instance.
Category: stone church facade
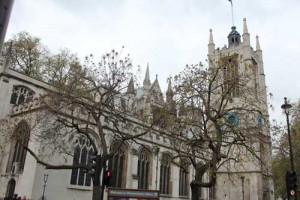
(147, 166)
(251, 180)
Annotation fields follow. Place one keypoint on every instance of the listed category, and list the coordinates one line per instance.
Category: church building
(146, 164)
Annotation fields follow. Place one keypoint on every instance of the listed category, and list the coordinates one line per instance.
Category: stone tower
(253, 182)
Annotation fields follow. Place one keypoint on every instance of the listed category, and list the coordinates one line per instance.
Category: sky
(168, 34)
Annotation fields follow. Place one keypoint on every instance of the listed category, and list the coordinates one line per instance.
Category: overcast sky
(168, 34)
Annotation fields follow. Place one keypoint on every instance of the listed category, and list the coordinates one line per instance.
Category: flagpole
(232, 13)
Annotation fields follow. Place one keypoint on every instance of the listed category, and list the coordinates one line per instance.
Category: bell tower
(255, 180)
(247, 56)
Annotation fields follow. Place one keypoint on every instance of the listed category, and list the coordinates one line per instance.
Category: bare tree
(221, 115)
(89, 101)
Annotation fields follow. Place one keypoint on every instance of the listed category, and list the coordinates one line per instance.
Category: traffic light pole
(291, 150)
(286, 108)
(290, 142)
(102, 184)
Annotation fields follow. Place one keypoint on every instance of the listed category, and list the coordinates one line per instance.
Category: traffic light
(291, 183)
(94, 168)
(106, 178)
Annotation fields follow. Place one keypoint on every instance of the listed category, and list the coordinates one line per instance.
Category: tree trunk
(196, 192)
(96, 192)
(97, 189)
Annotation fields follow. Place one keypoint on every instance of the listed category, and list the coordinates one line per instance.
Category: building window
(18, 152)
(10, 191)
(183, 179)
(143, 169)
(21, 94)
(165, 172)
(230, 75)
(83, 149)
(255, 77)
(117, 165)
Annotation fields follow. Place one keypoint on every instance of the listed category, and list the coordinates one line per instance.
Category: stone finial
(245, 28)
(147, 76)
(257, 44)
(211, 39)
(130, 89)
(170, 83)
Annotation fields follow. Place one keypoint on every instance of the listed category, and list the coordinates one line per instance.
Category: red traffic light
(107, 173)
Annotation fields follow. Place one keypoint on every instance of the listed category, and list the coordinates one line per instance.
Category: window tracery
(165, 172)
(117, 165)
(21, 94)
(18, 152)
(83, 149)
(143, 168)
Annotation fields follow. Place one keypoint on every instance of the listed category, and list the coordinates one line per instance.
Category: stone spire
(246, 35)
(257, 44)
(258, 50)
(169, 92)
(130, 89)
(170, 96)
(147, 82)
(211, 45)
(245, 28)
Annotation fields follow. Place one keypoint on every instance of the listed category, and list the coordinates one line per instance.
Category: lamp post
(286, 108)
(45, 181)
(5, 11)
(243, 186)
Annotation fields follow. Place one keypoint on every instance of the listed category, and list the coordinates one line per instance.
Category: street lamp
(243, 186)
(45, 182)
(286, 108)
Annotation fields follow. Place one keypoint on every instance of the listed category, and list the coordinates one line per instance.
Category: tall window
(83, 149)
(143, 169)
(10, 191)
(21, 94)
(255, 72)
(230, 75)
(183, 179)
(165, 172)
(18, 153)
(117, 165)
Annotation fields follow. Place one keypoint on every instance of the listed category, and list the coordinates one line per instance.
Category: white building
(21, 174)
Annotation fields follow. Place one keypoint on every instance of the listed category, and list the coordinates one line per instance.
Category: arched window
(230, 75)
(183, 178)
(10, 190)
(165, 172)
(117, 165)
(83, 149)
(18, 152)
(143, 168)
(21, 94)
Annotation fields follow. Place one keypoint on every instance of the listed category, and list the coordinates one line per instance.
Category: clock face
(260, 120)
(190, 134)
(231, 119)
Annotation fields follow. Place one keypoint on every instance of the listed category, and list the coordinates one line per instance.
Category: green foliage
(27, 54)
(59, 66)
(280, 166)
